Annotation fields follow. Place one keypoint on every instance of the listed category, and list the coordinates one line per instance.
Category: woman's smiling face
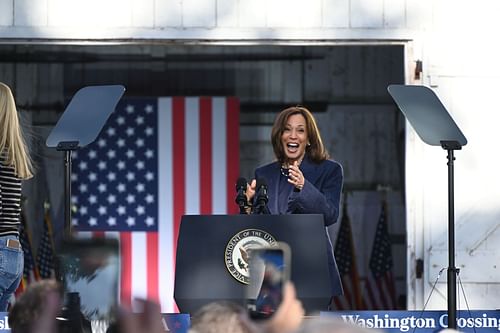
(294, 138)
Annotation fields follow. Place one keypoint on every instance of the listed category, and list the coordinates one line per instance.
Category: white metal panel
(90, 13)
(252, 13)
(168, 13)
(394, 13)
(418, 14)
(297, 15)
(197, 13)
(143, 12)
(336, 13)
(29, 13)
(7, 13)
(227, 13)
(366, 14)
(481, 267)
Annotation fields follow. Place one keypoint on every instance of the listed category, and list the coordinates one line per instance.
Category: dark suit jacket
(320, 195)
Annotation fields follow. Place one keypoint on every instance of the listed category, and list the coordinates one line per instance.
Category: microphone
(261, 198)
(241, 198)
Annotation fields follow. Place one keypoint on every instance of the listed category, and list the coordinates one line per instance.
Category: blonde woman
(15, 165)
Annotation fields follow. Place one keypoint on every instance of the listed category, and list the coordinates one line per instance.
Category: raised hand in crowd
(289, 314)
(147, 321)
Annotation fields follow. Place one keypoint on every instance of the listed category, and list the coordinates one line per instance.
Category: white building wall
(208, 19)
(455, 39)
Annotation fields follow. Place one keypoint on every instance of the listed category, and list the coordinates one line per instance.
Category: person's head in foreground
(35, 307)
(227, 317)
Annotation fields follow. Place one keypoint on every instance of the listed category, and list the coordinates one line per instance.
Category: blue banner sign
(421, 321)
(4, 322)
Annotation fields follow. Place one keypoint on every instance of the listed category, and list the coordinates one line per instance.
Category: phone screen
(89, 271)
(268, 273)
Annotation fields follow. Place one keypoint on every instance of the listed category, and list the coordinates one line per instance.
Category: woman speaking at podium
(302, 180)
(14, 166)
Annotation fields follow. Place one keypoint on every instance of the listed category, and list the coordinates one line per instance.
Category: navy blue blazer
(320, 195)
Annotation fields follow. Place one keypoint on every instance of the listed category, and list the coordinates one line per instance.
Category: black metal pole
(67, 194)
(452, 270)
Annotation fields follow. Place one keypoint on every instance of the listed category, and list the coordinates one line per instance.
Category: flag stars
(92, 199)
(111, 154)
(102, 187)
(130, 221)
(111, 221)
(92, 154)
(130, 153)
(140, 210)
(120, 120)
(130, 176)
(102, 210)
(112, 179)
(121, 188)
(130, 198)
(139, 187)
(150, 221)
(130, 131)
(139, 120)
(121, 210)
(83, 165)
(139, 143)
(74, 222)
(111, 131)
(111, 176)
(130, 109)
(139, 165)
(120, 165)
(111, 199)
(150, 198)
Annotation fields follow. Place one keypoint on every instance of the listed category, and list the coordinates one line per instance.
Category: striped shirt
(10, 200)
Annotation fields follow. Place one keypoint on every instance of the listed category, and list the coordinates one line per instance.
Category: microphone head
(241, 183)
(261, 183)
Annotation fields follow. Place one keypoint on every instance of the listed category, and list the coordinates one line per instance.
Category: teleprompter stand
(434, 125)
(79, 125)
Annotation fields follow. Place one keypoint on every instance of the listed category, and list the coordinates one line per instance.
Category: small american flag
(380, 286)
(346, 261)
(154, 161)
(45, 253)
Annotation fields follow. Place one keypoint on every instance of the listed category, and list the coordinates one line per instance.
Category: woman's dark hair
(315, 150)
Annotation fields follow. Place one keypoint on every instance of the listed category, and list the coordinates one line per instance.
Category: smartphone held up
(89, 270)
(269, 272)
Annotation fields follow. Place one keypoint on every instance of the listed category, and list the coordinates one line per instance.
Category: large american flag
(380, 285)
(154, 161)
